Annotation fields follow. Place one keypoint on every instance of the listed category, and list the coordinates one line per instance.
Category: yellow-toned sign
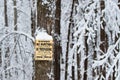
(44, 50)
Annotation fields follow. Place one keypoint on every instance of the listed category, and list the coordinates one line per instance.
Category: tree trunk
(68, 38)
(5, 11)
(57, 46)
(15, 15)
(44, 19)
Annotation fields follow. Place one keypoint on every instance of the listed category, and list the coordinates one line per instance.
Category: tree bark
(57, 47)
(68, 38)
(44, 19)
(15, 15)
(33, 18)
(5, 11)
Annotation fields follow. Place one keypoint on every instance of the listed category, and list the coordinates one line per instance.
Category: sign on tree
(43, 47)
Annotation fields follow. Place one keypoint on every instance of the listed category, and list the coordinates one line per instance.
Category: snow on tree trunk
(17, 49)
(98, 29)
(65, 14)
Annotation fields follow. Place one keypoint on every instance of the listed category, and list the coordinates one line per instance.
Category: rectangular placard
(44, 50)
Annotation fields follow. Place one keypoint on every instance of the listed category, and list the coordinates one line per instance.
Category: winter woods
(93, 40)
(16, 42)
(86, 38)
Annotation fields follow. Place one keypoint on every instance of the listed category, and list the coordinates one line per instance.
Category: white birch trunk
(65, 14)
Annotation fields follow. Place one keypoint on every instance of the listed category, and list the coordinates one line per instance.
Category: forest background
(85, 33)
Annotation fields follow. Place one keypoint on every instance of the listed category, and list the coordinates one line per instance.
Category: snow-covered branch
(17, 32)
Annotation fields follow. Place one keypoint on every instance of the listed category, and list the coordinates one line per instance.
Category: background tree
(97, 39)
(16, 42)
(57, 42)
(93, 37)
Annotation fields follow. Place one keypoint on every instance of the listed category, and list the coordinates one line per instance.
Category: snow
(87, 30)
(22, 47)
(43, 36)
(45, 2)
(16, 32)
